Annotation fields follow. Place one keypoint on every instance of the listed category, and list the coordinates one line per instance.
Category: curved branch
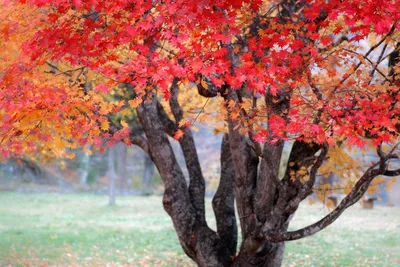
(188, 146)
(356, 193)
(176, 199)
(306, 189)
(141, 142)
(210, 91)
(224, 199)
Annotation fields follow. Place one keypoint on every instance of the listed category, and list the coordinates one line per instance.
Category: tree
(305, 72)
(112, 176)
(147, 177)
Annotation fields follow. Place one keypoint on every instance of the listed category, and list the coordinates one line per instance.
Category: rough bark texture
(224, 200)
(147, 175)
(264, 203)
(271, 257)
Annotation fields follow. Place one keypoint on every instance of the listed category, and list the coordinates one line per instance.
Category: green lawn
(81, 230)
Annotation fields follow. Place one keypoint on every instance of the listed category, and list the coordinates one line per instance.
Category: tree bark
(121, 151)
(148, 173)
(245, 176)
(270, 256)
(84, 169)
(224, 200)
(111, 176)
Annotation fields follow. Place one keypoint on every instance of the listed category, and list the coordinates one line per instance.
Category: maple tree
(264, 73)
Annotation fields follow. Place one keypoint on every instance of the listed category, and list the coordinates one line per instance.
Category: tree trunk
(185, 203)
(121, 150)
(111, 176)
(147, 175)
(84, 170)
(271, 255)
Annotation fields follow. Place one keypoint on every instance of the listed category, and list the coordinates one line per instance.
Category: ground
(81, 230)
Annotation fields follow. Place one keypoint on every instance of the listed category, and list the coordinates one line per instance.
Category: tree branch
(141, 142)
(268, 179)
(210, 91)
(245, 162)
(188, 146)
(306, 189)
(224, 199)
(355, 195)
(169, 125)
(176, 196)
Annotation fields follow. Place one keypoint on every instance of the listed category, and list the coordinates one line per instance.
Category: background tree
(279, 71)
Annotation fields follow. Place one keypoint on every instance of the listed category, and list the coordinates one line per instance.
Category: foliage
(314, 59)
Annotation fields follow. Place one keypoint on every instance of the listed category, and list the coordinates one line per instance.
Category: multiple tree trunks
(249, 176)
(265, 203)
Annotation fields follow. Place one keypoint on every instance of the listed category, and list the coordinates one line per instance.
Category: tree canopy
(310, 54)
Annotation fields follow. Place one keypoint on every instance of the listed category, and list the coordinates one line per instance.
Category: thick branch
(392, 172)
(210, 91)
(268, 179)
(188, 146)
(306, 188)
(301, 155)
(141, 142)
(246, 164)
(169, 125)
(176, 196)
(223, 201)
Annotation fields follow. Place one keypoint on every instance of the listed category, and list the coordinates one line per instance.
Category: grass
(81, 230)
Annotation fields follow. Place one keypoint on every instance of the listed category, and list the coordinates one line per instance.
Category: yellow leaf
(124, 124)
(125, 112)
(135, 102)
(182, 123)
(59, 143)
(105, 125)
(204, 84)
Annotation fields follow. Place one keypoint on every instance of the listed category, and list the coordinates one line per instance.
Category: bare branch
(369, 52)
(245, 162)
(141, 142)
(223, 201)
(306, 189)
(169, 125)
(357, 192)
(355, 195)
(392, 172)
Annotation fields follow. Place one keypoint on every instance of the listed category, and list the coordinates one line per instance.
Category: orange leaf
(178, 134)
